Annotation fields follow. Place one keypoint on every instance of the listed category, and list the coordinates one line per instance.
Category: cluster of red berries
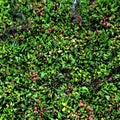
(51, 30)
(104, 21)
(88, 110)
(32, 75)
(55, 5)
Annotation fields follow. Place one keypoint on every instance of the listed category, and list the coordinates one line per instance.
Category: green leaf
(107, 97)
(43, 74)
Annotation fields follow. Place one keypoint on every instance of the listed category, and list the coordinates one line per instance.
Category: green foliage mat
(57, 67)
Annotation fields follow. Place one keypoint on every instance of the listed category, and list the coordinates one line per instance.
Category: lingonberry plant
(59, 60)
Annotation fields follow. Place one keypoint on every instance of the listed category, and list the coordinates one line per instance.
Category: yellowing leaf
(64, 109)
(64, 104)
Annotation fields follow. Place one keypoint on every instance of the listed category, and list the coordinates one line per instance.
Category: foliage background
(54, 68)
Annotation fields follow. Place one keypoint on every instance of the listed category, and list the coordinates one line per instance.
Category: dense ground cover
(53, 67)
